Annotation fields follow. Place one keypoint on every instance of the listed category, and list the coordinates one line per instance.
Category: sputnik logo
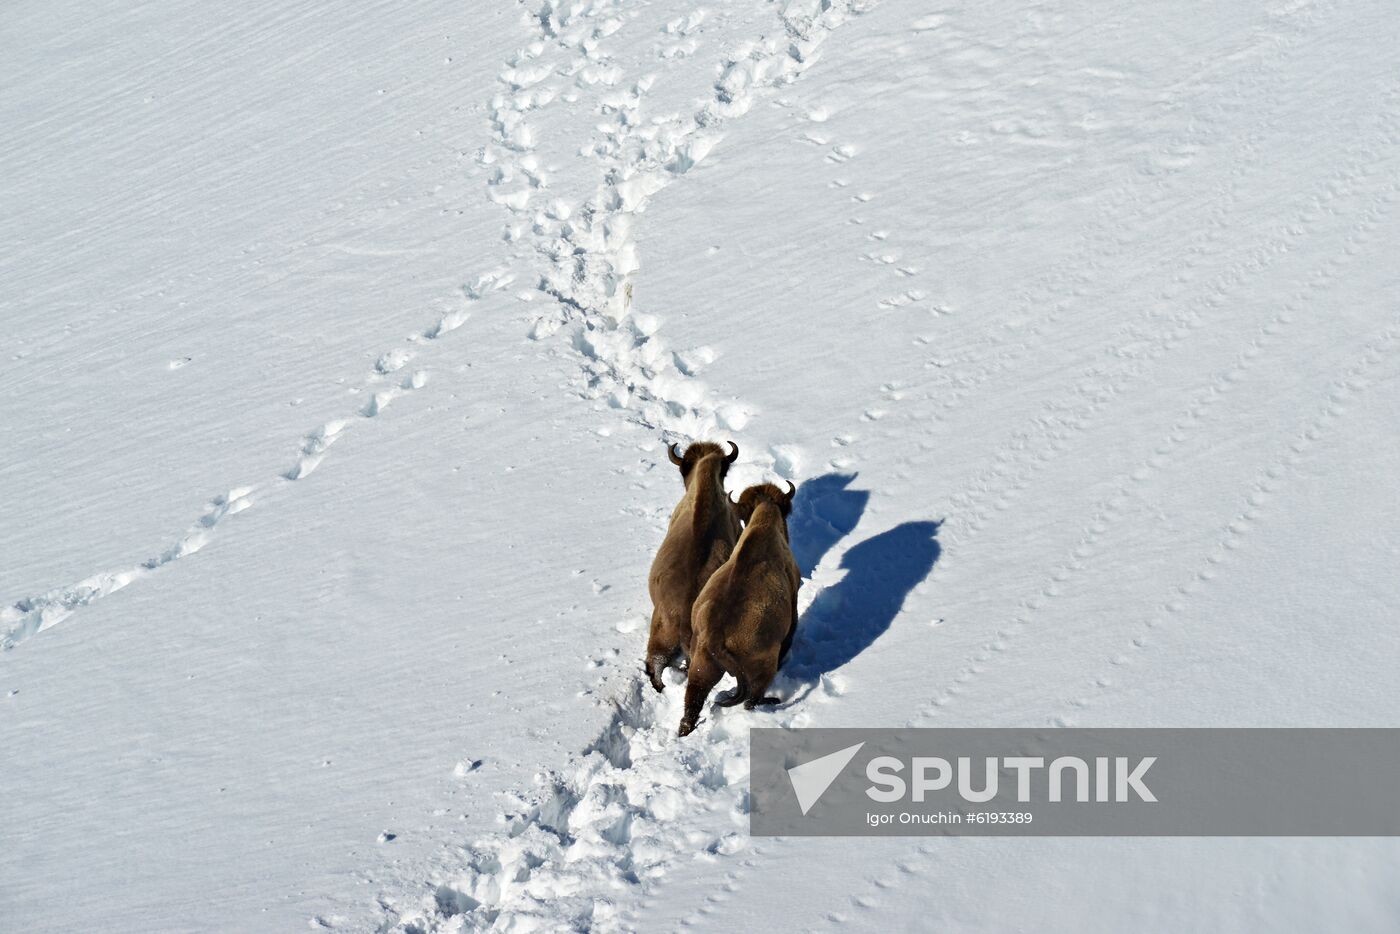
(810, 780)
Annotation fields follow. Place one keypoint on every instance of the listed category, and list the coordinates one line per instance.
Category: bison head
(698, 452)
(750, 499)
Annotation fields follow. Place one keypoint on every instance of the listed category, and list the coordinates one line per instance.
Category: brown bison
(746, 614)
(701, 535)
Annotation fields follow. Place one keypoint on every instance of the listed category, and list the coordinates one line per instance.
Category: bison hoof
(687, 727)
(654, 676)
(655, 667)
(730, 698)
(762, 702)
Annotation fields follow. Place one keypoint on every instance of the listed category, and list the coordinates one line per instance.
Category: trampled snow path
(635, 802)
(589, 249)
(24, 618)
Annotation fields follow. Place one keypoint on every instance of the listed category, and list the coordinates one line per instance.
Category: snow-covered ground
(340, 345)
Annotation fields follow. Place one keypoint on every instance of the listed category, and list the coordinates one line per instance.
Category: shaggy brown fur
(702, 533)
(746, 614)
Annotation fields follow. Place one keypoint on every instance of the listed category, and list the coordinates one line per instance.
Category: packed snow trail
(635, 802)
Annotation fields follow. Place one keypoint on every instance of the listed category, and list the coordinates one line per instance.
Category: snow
(342, 347)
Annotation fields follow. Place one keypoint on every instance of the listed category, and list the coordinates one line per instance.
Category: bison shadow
(846, 618)
(824, 511)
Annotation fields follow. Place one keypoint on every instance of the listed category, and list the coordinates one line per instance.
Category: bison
(746, 614)
(701, 535)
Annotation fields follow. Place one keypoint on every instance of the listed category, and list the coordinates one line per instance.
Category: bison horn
(671, 453)
(792, 491)
(733, 455)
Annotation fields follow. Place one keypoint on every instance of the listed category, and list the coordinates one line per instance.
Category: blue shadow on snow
(824, 511)
(847, 617)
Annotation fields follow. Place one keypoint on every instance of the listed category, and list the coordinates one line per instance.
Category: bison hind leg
(758, 676)
(731, 664)
(655, 664)
(704, 674)
(735, 695)
(662, 648)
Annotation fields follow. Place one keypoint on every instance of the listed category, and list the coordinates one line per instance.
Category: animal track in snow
(29, 615)
(1219, 386)
(691, 362)
(381, 398)
(841, 153)
(314, 447)
(1101, 243)
(680, 41)
(685, 25)
(592, 258)
(24, 618)
(1091, 390)
(905, 298)
(392, 362)
(1268, 481)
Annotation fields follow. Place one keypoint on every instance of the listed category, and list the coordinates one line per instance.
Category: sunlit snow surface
(340, 344)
